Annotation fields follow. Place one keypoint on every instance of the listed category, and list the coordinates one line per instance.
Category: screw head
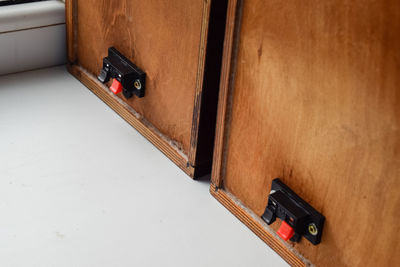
(137, 84)
(312, 229)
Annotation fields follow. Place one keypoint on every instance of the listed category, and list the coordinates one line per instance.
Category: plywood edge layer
(148, 131)
(226, 81)
(288, 254)
(199, 82)
(70, 18)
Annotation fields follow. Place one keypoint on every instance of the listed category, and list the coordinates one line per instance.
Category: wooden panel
(162, 38)
(178, 44)
(316, 101)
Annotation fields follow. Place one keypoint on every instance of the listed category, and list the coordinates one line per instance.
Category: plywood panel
(316, 101)
(161, 37)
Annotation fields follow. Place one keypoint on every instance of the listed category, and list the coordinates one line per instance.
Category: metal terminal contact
(312, 229)
(137, 84)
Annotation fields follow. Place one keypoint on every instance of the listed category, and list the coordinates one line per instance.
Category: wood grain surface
(315, 100)
(162, 38)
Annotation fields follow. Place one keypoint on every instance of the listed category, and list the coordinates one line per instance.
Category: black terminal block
(116, 66)
(294, 211)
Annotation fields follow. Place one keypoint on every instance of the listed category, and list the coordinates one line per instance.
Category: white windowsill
(32, 36)
(31, 15)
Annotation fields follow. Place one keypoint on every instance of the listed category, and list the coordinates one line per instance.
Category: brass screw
(312, 229)
(137, 84)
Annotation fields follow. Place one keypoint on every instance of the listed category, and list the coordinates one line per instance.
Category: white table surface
(80, 187)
